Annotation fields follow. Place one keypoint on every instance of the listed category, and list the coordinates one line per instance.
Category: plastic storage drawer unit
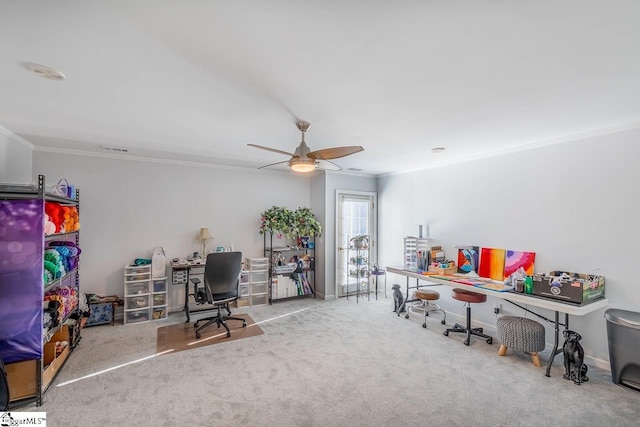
(623, 331)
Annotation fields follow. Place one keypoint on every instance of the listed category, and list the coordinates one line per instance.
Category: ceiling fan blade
(273, 164)
(334, 153)
(328, 165)
(270, 149)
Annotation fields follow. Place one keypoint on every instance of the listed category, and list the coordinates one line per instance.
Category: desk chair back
(222, 276)
(221, 282)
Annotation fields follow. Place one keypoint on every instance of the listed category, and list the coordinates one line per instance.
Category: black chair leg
(244, 322)
(210, 321)
(220, 320)
(468, 330)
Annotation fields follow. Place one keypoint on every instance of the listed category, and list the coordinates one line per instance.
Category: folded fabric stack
(53, 265)
(69, 252)
(60, 258)
(51, 314)
(66, 296)
(60, 219)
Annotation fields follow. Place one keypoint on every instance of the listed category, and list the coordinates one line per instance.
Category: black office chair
(221, 286)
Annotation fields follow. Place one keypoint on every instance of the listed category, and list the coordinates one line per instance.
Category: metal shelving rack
(288, 251)
(358, 265)
(33, 378)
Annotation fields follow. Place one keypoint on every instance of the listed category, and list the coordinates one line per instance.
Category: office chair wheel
(443, 322)
(424, 325)
(198, 335)
(406, 316)
(228, 334)
(445, 333)
(244, 324)
(466, 342)
(489, 340)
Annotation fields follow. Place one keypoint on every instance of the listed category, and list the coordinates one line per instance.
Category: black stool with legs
(468, 297)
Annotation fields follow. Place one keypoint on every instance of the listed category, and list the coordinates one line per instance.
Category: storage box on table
(443, 271)
(576, 288)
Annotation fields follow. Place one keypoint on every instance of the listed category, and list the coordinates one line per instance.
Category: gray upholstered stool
(522, 334)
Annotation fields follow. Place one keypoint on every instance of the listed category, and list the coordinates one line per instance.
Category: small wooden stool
(425, 296)
(521, 334)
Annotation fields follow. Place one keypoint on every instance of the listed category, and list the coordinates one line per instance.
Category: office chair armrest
(195, 281)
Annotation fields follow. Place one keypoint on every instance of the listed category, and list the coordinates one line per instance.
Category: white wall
(128, 207)
(574, 204)
(318, 189)
(15, 158)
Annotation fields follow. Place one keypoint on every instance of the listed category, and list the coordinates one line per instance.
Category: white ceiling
(198, 80)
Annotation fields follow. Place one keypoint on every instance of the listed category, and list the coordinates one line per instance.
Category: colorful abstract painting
(517, 259)
(468, 257)
(492, 263)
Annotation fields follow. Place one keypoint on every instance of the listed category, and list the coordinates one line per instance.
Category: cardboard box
(569, 287)
(437, 254)
(241, 302)
(21, 377)
(443, 271)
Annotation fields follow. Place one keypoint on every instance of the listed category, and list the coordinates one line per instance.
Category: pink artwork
(517, 259)
(492, 263)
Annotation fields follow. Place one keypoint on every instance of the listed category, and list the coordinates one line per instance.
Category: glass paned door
(356, 237)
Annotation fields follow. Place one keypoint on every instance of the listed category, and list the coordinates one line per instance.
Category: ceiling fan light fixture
(302, 165)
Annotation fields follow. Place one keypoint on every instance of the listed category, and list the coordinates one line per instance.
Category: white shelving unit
(137, 293)
(145, 296)
(416, 253)
(245, 289)
(159, 298)
(258, 280)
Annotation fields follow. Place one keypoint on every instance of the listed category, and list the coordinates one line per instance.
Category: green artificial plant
(301, 222)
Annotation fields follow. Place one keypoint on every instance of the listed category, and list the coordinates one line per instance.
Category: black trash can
(623, 331)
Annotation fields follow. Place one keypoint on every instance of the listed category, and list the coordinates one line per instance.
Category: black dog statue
(398, 299)
(574, 366)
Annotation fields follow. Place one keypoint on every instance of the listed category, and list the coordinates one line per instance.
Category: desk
(515, 299)
(181, 273)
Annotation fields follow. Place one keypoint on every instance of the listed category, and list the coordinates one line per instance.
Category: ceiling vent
(46, 72)
(115, 149)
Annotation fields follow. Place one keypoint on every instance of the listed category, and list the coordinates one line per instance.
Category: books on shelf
(286, 286)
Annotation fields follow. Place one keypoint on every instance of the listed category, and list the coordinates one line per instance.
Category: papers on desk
(472, 280)
(498, 287)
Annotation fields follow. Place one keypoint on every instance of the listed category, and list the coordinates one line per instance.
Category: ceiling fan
(305, 160)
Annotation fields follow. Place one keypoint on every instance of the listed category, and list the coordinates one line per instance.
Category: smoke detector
(46, 72)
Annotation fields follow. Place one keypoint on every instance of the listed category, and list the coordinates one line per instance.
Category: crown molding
(134, 158)
(12, 136)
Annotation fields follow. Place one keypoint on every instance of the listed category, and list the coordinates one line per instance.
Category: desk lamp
(203, 236)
